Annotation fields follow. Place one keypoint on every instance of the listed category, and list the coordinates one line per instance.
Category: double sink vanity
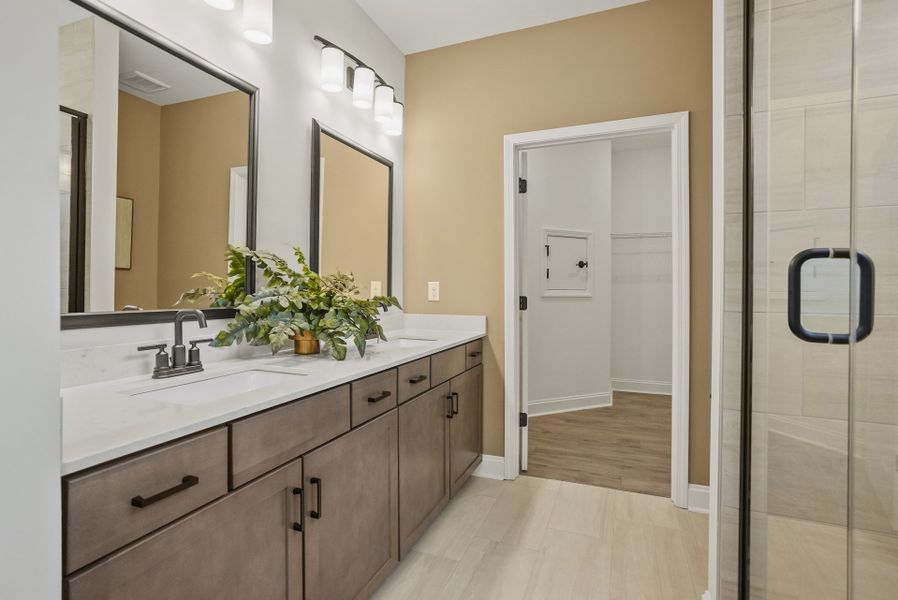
(270, 477)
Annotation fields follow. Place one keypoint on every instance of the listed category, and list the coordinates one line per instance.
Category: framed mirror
(157, 170)
(351, 212)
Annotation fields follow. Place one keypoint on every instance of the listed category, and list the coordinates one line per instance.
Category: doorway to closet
(601, 264)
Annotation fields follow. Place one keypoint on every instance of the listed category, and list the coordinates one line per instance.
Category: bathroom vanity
(312, 484)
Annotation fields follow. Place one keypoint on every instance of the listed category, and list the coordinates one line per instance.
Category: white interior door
(522, 290)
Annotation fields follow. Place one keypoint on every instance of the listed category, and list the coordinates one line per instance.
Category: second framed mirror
(351, 211)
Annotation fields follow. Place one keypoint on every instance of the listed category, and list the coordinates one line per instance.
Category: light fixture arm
(358, 62)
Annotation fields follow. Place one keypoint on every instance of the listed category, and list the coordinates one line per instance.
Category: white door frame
(677, 124)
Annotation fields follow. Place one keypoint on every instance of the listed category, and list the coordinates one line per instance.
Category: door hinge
(522, 185)
(522, 302)
(523, 419)
(547, 249)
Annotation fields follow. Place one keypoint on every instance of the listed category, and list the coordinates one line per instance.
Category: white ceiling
(418, 25)
(186, 81)
(643, 141)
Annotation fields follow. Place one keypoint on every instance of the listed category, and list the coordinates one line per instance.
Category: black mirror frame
(143, 317)
(315, 199)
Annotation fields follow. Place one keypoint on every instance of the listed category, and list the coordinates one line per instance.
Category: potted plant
(292, 304)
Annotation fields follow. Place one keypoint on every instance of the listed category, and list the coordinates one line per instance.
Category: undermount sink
(410, 342)
(215, 388)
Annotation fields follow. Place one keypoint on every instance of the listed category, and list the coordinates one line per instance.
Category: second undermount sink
(410, 342)
(216, 388)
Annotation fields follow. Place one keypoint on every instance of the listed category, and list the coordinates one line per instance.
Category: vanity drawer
(373, 396)
(414, 379)
(114, 505)
(446, 365)
(262, 442)
(473, 353)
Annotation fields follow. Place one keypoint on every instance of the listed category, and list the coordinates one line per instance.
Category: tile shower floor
(540, 538)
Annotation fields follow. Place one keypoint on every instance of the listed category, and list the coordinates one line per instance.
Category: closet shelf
(635, 236)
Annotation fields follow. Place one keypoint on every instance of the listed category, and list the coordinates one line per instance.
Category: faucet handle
(193, 355)
(161, 355)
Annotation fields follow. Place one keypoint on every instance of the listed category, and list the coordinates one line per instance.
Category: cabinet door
(465, 426)
(423, 463)
(242, 546)
(352, 512)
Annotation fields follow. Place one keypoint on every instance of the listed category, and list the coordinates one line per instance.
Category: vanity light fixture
(222, 4)
(383, 103)
(332, 61)
(368, 88)
(394, 127)
(363, 88)
(258, 17)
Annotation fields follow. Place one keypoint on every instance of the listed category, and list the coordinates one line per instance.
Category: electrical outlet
(433, 291)
(375, 289)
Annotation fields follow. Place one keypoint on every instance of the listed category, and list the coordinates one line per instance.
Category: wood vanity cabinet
(423, 463)
(465, 426)
(242, 546)
(326, 493)
(352, 512)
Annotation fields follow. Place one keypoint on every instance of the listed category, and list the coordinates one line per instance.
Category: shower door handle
(865, 301)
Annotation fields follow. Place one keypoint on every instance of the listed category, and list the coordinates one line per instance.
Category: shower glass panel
(809, 424)
(873, 418)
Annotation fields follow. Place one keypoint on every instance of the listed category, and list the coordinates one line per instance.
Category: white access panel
(567, 257)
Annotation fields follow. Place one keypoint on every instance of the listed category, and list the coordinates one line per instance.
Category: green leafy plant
(293, 301)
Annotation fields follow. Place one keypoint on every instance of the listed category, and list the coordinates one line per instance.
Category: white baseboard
(699, 498)
(642, 387)
(492, 467)
(551, 406)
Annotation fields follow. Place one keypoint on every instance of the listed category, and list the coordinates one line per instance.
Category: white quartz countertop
(105, 421)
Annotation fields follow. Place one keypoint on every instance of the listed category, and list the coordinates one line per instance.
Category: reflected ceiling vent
(142, 82)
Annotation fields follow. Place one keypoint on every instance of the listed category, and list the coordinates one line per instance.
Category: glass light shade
(383, 103)
(363, 88)
(394, 127)
(222, 4)
(258, 16)
(332, 62)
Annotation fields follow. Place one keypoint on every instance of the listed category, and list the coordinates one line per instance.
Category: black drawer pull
(297, 525)
(450, 414)
(188, 481)
(316, 481)
(383, 394)
(475, 354)
(454, 403)
(418, 379)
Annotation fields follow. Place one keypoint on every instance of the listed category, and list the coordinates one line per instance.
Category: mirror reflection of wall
(164, 187)
(354, 215)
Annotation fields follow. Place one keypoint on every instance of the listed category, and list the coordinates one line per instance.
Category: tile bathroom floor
(541, 538)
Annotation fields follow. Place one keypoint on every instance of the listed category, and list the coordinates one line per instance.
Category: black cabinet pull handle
(454, 403)
(583, 263)
(188, 481)
(418, 379)
(297, 525)
(316, 481)
(865, 303)
(378, 398)
(475, 354)
(450, 414)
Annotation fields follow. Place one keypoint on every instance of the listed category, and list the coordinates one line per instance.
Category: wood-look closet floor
(625, 446)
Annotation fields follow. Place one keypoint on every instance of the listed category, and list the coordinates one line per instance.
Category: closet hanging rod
(628, 236)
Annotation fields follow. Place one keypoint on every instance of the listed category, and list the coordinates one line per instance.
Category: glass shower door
(873, 417)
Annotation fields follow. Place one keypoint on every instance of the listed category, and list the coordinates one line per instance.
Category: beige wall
(355, 214)
(201, 141)
(648, 58)
(139, 131)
